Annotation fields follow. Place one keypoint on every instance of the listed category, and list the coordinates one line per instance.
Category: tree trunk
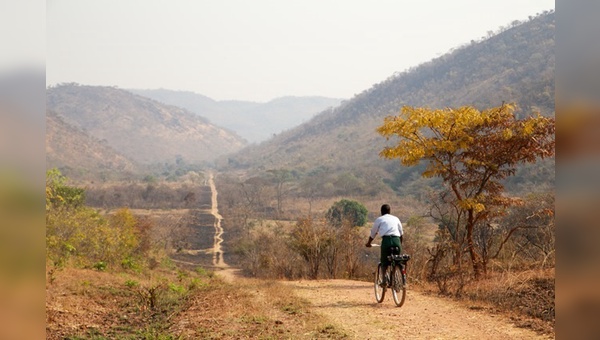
(475, 259)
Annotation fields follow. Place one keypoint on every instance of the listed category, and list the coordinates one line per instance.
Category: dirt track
(204, 236)
(351, 306)
(218, 260)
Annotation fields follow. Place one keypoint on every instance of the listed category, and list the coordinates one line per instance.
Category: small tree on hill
(348, 211)
(472, 151)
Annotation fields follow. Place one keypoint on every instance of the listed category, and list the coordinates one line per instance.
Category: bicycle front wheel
(379, 286)
(398, 287)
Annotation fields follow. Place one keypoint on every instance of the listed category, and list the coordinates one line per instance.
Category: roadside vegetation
(105, 277)
(109, 275)
(111, 270)
(469, 238)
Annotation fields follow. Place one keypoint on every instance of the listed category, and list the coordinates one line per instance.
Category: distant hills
(515, 65)
(92, 127)
(253, 121)
(80, 155)
(95, 130)
(142, 131)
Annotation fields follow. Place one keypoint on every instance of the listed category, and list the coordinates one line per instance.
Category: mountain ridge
(254, 121)
(516, 65)
(140, 128)
(78, 155)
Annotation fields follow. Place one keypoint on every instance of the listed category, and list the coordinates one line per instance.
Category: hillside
(141, 129)
(253, 121)
(79, 155)
(515, 65)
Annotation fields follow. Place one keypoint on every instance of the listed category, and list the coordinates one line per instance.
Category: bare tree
(309, 239)
(281, 179)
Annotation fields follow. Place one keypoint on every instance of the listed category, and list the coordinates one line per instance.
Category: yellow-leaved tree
(472, 151)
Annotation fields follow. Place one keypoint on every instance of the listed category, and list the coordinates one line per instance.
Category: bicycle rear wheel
(379, 287)
(398, 287)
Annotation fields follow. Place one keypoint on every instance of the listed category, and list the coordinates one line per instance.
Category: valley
(163, 223)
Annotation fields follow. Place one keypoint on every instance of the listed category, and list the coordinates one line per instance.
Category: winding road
(218, 260)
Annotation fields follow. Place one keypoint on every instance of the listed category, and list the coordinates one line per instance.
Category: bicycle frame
(395, 279)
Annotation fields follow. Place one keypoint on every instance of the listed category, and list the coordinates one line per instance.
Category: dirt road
(218, 261)
(204, 234)
(352, 306)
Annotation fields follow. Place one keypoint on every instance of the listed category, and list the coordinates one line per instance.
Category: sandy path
(351, 306)
(218, 260)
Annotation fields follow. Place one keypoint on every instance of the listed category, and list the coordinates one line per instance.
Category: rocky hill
(253, 121)
(141, 129)
(515, 65)
(78, 155)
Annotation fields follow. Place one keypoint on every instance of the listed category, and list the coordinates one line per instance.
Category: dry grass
(526, 296)
(249, 308)
(87, 304)
(167, 304)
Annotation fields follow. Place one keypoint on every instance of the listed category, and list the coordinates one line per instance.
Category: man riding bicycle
(389, 228)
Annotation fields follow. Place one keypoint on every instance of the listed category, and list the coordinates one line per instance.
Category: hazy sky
(260, 49)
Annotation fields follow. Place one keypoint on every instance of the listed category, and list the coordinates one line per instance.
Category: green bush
(100, 266)
(347, 211)
(80, 235)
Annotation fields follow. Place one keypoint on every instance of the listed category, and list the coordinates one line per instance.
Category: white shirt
(387, 225)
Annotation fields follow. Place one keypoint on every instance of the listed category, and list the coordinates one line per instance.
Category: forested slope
(515, 65)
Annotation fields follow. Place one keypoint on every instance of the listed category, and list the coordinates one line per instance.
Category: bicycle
(395, 277)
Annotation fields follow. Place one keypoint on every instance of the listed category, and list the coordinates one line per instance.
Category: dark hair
(385, 209)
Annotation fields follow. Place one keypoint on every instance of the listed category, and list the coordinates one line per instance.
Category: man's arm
(374, 231)
(400, 239)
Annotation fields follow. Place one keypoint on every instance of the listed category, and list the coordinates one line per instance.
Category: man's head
(385, 209)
